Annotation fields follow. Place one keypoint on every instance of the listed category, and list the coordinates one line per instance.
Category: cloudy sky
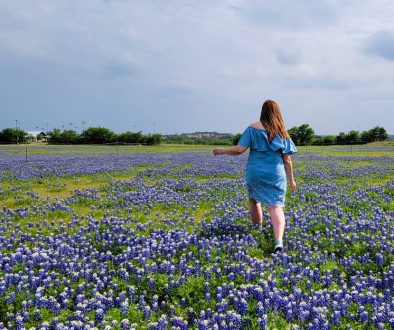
(185, 65)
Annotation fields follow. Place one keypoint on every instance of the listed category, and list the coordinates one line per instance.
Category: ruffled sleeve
(244, 140)
(257, 139)
(289, 147)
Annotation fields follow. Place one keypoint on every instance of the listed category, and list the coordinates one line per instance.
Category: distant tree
(302, 135)
(328, 139)
(381, 134)
(317, 140)
(40, 136)
(293, 132)
(55, 136)
(97, 135)
(13, 135)
(374, 134)
(70, 137)
(352, 137)
(341, 138)
(366, 136)
(152, 139)
(235, 139)
(323, 140)
(130, 137)
(205, 140)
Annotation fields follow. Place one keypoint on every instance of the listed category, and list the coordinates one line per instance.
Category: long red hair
(271, 118)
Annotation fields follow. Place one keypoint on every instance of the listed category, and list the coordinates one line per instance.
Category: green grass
(385, 149)
(41, 148)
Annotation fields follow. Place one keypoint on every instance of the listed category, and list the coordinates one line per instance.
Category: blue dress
(265, 173)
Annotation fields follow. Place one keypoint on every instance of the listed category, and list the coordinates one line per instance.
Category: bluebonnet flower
(19, 322)
(179, 322)
(203, 324)
(155, 305)
(162, 323)
(37, 314)
(260, 309)
(242, 306)
(263, 322)
(45, 326)
(379, 258)
(172, 311)
(222, 306)
(125, 324)
(183, 303)
(152, 326)
(206, 287)
(151, 283)
(191, 314)
(124, 307)
(147, 312)
(99, 315)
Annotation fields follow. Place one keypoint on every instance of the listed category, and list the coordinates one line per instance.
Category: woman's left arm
(235, 150)
(289, 171)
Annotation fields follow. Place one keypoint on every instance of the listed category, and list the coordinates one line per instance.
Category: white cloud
(381, 44)
(148, 58)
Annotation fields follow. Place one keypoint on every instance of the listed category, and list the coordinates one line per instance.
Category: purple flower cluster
(173, 247)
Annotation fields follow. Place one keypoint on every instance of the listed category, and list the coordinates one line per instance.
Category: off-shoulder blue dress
(265, 173)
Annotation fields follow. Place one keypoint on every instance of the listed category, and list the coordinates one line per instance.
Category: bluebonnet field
(163, 241)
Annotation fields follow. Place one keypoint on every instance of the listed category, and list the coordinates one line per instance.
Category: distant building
(37, 136)
(206, 134)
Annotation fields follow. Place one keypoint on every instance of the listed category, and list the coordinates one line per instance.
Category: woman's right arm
(289, 171)
(235, 150)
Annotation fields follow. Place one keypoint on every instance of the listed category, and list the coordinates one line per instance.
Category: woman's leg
(278, 221)
(255, 212)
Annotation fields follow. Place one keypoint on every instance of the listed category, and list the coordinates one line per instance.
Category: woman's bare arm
(235, 150)
(289, 171)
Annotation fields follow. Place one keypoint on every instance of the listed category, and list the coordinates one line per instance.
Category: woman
(268, 165)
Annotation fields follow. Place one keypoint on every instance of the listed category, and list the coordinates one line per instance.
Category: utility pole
(16, 127)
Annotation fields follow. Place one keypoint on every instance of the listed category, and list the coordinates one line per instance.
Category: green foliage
(236, 138)
(192, 290)
(323, 140)
(64, 137)
(375, 134)
(302, 135)
(184, 139)
(101, 135)
(152, 139)
(130, 137)
(13, 135)
(97, 135)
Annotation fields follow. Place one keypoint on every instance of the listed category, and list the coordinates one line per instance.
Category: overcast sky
(190, 65)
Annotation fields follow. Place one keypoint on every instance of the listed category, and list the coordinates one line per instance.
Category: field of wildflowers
(163, 241)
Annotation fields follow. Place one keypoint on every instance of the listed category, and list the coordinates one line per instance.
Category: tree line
(92, 135)
(101, 135)
(301, 135)
(205, 140)
(305, 135)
